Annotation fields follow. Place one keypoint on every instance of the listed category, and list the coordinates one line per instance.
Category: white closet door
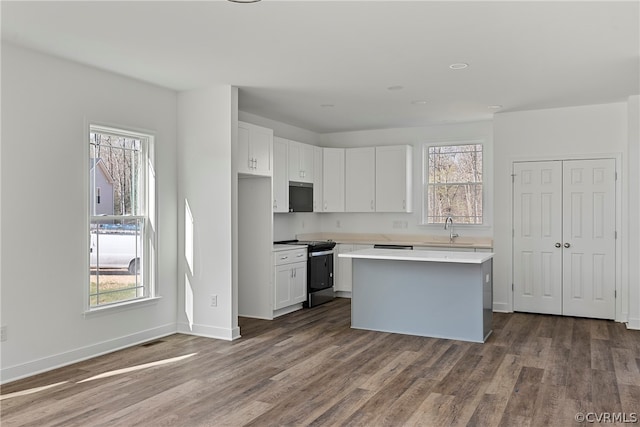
(589, 238)
(537, 237)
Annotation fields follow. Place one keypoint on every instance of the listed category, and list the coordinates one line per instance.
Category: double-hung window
(121, 209)
(453, 183)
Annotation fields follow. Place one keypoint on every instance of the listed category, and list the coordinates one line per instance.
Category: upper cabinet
(360, 179)
(254, 149)
(300, 162)
(393, 180)
(333, 179)
(280, 176)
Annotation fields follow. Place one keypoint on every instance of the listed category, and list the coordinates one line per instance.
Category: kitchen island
(438, 294)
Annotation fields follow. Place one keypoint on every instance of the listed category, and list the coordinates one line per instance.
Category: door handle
(558, 245)
(567, 245)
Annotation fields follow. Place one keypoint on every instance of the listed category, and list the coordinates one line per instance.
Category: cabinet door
(245, 163)
(306, 162)
(333, 179)
(299, 283)
(282, 289)
(255, 144)
(300, 162)
(317, 179)
(294, 161)
(260, 143)
(280, 176)
(394, 178)
(360, 177)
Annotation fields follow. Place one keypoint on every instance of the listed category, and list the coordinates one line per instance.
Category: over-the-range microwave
(300, 196)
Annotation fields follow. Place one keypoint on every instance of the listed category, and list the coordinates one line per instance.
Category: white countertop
(419, 255)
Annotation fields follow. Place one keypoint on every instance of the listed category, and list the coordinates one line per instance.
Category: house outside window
(121, 225)
(453, 183)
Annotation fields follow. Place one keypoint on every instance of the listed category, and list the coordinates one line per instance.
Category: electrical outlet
(214, 300)
(338, 224)
(3, 333)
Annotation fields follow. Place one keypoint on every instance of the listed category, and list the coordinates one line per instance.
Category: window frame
(425, 182)
(147, 212)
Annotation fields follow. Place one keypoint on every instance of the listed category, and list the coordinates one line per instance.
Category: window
(453, 183)
(120, 226)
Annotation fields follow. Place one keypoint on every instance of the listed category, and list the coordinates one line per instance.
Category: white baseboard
(502, 307)
(343, 294)
(209, 331)
(633, 323)
(23, 370)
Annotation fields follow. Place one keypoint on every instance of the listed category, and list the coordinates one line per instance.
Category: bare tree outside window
(454, 184)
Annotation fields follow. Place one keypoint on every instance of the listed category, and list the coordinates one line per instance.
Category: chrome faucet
(448, 224)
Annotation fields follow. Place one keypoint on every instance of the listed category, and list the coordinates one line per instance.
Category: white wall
(206, 121)
(280, 129)
(46, 105)
(551, 133)
(634, 211)
(417, 136)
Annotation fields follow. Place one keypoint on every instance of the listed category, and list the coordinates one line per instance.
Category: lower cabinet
(343, 273)
(290, 278)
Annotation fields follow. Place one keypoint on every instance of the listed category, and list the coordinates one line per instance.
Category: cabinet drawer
(287, 257)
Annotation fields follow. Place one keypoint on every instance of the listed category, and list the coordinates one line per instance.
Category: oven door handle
(321, 253)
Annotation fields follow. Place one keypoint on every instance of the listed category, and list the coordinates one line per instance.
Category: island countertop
(420, 255)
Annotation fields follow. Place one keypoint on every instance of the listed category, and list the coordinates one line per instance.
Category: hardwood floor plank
(579, 370)
(504, 380)
(629, 398)
(549, 407)
(436, 410)
(601, 357)
(311, 368)
(522, 402)
(489, 411)
(381, 378)
(626, 366)
(604, 389)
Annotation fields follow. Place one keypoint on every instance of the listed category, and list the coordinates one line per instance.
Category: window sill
(123, 306)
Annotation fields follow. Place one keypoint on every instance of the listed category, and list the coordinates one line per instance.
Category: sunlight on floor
(30, 391)
(95, 377)
(137, 368)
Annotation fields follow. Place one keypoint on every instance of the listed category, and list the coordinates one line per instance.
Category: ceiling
(330, 66)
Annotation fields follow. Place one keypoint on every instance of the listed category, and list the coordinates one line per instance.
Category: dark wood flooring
(311, 368)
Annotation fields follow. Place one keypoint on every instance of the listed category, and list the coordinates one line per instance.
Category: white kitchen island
(427, 293)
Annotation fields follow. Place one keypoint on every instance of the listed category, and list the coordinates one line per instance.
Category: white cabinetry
(290, 277)
(300, 162)
(254, 149)
(317, 179)
(360, 179)
(333, 179)
(393, 178)
(343, 280)
(280, 176)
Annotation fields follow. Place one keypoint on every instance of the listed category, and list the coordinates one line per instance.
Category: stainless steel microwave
(300, 196)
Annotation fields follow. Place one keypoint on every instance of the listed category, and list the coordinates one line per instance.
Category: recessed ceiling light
(327, 105)
(398, 87)
(244, 1)
(419, 102)
(494, 107)
(458, 66)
